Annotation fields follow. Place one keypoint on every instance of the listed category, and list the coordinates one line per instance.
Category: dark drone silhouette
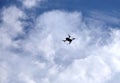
(69, 39)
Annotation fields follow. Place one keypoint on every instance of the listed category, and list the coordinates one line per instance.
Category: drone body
(69, 39)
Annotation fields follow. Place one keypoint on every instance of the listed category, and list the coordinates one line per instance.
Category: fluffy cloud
(85, 60)
(41, 56)
(49, 32)
(11, 25)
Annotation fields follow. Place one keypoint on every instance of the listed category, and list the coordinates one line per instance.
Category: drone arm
(73, 38)
(69, 36)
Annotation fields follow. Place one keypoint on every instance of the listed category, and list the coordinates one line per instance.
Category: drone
(69, 39)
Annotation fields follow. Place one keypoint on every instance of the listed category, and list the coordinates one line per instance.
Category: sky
(32, 50)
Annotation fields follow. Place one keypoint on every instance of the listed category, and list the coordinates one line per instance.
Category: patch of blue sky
(73, 4)
(83, 4)
(6, 3)
(70, 5)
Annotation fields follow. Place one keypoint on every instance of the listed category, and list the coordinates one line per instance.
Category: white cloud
(3, 72)
(25, 78)
(93, 57)
(97, 68)
(50, 32)
(11, 17)
(30, 3)
(11, 25)
(94, 68)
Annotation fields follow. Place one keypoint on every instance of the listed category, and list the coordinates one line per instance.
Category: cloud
(111, 18)
(41, 56)
(81, 60)
(31, 3)
(25, 79)
(11, 24)
(10, 27)
(3, 72)
(98, 67)
(49, 32)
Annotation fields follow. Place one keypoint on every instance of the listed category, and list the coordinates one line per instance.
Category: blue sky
(75, 5)
(32, 50)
